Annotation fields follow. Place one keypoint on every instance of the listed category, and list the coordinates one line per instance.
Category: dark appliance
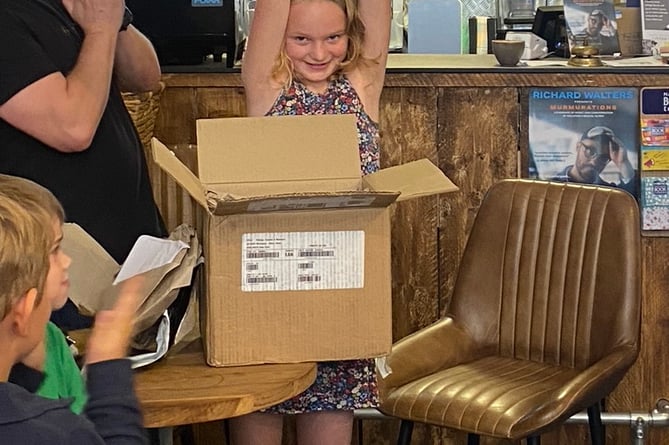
(185, 32)
(550, 25)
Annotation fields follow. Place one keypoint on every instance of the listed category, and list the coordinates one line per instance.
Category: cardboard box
(296, 242)
(629, 31)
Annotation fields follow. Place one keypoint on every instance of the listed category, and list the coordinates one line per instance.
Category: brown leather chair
(544, 320)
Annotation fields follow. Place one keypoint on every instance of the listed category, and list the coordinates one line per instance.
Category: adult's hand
(96, 15)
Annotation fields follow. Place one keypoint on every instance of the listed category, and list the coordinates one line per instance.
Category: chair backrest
(551, 273)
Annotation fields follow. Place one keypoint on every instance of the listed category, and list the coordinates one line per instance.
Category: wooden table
(183, 389)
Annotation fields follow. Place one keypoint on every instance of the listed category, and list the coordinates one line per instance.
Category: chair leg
(597, 433)
(534, 440)
(473, 439)
(406, 428)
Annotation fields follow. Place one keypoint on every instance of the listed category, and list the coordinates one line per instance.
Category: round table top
(182, 389)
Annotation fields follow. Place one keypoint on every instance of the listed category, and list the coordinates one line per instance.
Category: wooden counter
(471, 122)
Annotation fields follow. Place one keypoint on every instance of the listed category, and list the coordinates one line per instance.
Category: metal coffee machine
(186, 32)
(516, 15)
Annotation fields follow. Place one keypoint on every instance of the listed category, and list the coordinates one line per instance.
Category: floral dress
(350, 384)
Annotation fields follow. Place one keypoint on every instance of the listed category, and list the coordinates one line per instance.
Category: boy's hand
(113, 328)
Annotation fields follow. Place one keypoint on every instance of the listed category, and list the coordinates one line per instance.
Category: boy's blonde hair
(27, 214)
(355, 31)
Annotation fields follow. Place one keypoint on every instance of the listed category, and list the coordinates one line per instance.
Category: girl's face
(57, 282)
(316, 41)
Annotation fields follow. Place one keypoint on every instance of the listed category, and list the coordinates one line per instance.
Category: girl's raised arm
(376, 15)
(265, 40)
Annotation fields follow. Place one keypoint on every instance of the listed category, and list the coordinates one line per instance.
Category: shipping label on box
(303, 260)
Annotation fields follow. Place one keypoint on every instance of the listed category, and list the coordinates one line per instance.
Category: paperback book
(654, 129)
(586, 135)
(655, 203)
(654, 158)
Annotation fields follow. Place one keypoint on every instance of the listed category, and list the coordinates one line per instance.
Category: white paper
(382, 367)
(149, 253)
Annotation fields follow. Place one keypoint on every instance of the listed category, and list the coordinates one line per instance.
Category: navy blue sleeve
(112, 405)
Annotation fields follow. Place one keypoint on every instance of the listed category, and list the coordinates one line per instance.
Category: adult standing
(63, 123)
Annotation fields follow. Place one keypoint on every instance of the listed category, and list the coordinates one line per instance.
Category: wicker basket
(143, 109)
(175, 205)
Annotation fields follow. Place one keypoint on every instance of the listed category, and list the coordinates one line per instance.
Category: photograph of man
(601, 33)
(595, 150)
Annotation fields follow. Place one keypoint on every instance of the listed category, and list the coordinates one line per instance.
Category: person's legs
(256, 429)
(324, 428)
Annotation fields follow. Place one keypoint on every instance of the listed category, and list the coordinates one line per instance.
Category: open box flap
(277, 149)
(412, 180)
(168, 161)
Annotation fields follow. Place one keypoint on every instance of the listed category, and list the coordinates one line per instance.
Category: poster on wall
(585, 135)
(593, 23)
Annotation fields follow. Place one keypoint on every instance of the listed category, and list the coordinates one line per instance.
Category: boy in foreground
(34, 274)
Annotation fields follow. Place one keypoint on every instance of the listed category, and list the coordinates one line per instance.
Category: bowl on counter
(508, 52)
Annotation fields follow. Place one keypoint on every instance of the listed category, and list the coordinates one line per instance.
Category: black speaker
(184, 32)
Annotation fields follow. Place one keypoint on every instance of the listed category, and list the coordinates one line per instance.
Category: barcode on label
(257, 255)
(316, 253)
(258, 280)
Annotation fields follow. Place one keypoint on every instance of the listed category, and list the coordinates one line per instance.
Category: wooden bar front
(473, 125)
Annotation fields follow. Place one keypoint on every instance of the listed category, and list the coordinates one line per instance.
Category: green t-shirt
(62, 377)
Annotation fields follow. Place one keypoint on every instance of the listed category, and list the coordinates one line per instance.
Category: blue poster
(585, 135)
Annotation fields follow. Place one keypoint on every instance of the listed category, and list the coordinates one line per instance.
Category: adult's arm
(63, 111)
(136, 66)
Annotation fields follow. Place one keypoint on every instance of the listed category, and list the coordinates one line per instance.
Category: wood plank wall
(474, 127)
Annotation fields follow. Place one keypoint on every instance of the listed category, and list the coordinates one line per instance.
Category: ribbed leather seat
(544, 320)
